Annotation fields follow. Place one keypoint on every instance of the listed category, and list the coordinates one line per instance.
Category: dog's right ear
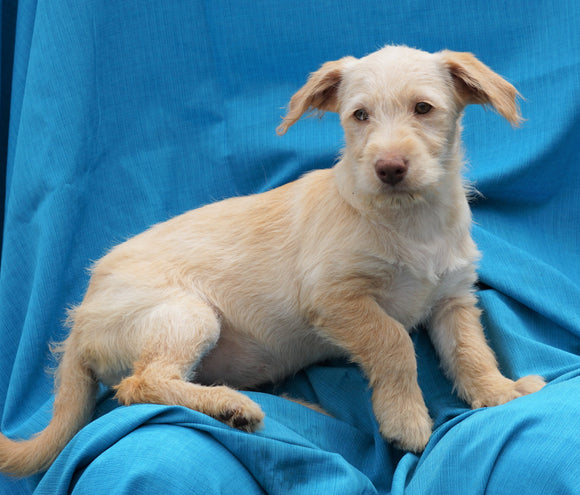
(319, 93)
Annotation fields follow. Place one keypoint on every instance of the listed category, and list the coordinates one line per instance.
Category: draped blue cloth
(118, 115)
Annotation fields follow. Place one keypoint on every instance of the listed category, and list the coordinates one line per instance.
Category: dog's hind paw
(238, 411)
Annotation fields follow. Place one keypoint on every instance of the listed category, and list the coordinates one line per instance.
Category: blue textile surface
(118, 115)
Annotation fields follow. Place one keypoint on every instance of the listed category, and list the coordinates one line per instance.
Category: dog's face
(400, 109)
(399, 113)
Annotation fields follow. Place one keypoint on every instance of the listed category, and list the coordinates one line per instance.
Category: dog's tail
(73, 406)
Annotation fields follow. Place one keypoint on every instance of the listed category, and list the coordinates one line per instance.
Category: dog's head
(400, 109)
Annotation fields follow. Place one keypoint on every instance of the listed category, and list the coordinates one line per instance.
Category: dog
(345, 261)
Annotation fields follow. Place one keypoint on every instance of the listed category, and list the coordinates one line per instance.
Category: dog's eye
(422, 108)
(361, 114)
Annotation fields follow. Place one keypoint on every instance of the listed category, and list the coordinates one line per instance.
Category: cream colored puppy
(343, 262)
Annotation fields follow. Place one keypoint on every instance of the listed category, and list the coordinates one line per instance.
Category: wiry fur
(251, 289)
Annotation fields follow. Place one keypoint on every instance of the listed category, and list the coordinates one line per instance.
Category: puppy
(342, 262)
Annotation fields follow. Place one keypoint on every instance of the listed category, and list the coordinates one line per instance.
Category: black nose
(391, 170)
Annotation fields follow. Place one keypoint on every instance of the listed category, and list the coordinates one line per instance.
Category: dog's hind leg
(178, 333)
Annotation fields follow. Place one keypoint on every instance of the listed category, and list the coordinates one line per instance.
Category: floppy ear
(319, 93)
(477, 83)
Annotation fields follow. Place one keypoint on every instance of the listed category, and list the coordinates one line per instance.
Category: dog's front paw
(529, 384)
(408, 430)
(504, 390)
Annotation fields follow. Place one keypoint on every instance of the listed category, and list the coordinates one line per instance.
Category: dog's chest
(413, 282)
(408, 298)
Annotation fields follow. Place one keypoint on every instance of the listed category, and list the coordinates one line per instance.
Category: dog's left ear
(319, 93)
(477, 83)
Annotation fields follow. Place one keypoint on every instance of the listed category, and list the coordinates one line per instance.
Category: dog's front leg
(385, 351)
(466, 358)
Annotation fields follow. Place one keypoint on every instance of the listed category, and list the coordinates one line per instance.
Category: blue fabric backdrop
(117, 115)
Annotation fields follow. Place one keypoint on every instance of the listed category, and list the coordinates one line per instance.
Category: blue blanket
(118, 115)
